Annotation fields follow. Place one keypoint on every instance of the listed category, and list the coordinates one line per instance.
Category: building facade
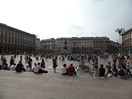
(73, 45)
(47, 46)
(84, 45)
(101, 44)
(37, 46)
(127, 42)
(15, 41)
(113, 47)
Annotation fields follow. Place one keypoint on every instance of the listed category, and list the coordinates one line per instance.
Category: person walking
(54, 64)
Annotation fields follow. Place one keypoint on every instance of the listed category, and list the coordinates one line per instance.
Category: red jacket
(70, 69)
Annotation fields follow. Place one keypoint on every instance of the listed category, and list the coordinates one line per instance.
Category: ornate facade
(101, 44)
(73, 45)
(76, 45)
(15, 41)
(83, 45)
(127, 41)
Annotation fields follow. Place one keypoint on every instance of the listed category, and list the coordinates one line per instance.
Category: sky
(68, 18)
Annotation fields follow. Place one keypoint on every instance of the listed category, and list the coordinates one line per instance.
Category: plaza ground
(28, 85)
(48, 63)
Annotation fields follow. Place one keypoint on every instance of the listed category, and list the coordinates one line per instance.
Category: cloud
(98, 0)
(75, 30)
(130, 1)
(75, 27)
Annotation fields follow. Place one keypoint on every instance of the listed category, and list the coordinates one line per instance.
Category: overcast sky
(67, 18)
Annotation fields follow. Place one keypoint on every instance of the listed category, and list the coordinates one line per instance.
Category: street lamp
(120, 31)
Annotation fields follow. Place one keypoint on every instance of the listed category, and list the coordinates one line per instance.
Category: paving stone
(28, 85)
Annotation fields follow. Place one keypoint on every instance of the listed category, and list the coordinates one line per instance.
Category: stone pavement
(28, 85)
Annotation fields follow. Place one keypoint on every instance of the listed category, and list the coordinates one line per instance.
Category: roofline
(127, 31)
(6, 26)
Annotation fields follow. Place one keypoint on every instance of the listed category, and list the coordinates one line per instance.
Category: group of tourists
(38, 67)
(70, 70)
(119, 67)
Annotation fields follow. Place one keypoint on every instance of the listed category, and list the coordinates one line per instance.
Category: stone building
(37, 46)
(127, 41)
(73, 45)
(15, 41)
(76, 45)
(48, 46)
(113, 47)
(83, 45)
(101, 44)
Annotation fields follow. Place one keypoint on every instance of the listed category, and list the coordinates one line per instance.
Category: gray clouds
(56, 18)
(76, 30)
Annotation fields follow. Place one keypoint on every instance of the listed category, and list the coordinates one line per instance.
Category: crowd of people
(119, 67)
(37, 68)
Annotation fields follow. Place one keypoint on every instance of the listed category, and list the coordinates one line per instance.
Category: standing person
(43, 64)
(109, 69)
(81, 64)
(21, 58)
(4, 61)
(54, 64)
(12, 60)
(30, 63)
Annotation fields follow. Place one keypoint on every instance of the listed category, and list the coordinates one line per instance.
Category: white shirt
(36, 69)
(12, 68)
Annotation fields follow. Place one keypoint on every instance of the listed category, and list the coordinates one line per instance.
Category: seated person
(96, 71)
(35, 64)
(121, 73)
(5, 67)
(128, 72)
(71, 70)
(114, 71)
(101, 71)
(13, 67)
(0, 64)
(38, 69)
(64, 70)
(110, 74)
(20, 67)
(28, 69)
(109, 70)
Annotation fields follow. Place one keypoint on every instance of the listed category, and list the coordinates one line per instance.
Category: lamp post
(120, 31)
